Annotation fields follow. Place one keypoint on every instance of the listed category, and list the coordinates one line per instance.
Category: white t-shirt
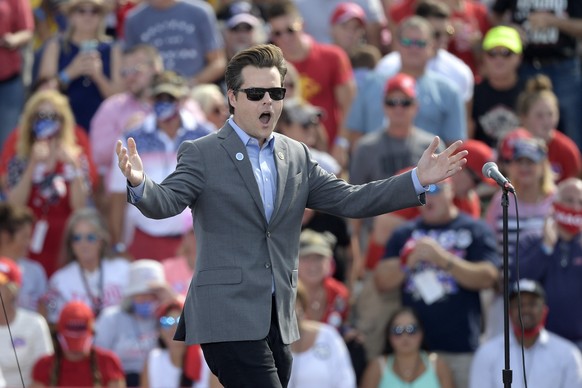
(326, 364)
(67, 284)
(32, 340)
(444, 63)
(161, 371)
(551, 362)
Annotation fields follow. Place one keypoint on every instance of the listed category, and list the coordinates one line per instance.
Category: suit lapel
(281, 155)
(234, 146)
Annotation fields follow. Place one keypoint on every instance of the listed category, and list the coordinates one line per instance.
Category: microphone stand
(507, 374)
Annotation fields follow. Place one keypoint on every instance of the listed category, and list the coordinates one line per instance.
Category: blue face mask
(144, 309)
(45, 128)
(165, 110)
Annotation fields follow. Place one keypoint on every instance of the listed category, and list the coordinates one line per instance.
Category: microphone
(491, 170)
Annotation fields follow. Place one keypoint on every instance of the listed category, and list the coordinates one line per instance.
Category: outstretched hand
(129, 162)
(433, 168)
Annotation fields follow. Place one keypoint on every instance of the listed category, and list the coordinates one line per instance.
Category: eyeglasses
(167, 322)
(90, 237)
(408, 329)
(47, 115)
(257, 94)
(394, 102)
(242, 27)
(129, 71)
(503, 53)
(291, 30)
(87, 11)
(420, 43)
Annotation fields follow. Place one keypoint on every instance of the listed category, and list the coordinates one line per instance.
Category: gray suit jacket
(239, 252)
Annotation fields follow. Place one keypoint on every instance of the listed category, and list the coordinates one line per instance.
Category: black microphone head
(487, 167)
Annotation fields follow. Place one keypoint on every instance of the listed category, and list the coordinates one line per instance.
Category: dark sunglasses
(257, 94)
(47, 115)
(420, 43)
(167, 322)
(291, 30)
(90, 237)
(87, 11)
(242, 27)
(408, 329)
(394, 102)
(504, 53)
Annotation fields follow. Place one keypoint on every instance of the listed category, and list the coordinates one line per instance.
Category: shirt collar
(245, 138)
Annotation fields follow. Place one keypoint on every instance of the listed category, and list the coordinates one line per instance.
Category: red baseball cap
(9, 272)
(507, 144)
(347, 11)
(75, 326)
(479, 154)
(403, 82)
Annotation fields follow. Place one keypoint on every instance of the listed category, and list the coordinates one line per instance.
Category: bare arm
(109, 86)
(214, 69)
(444, 373)
(372, 375)
(388, 275)
(19, 194)
(144, 381)
(543, 20)
(117, 206)
(118, 384)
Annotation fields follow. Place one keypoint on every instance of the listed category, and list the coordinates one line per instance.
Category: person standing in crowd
(550, 360)
(89, 273)
(242, 30)
(552, 257)
(16, 31)
(49, 172)
(248, 188)
(24, 334)
(538, 109)
(325, 70)
(405, 359)
(494, 113)
(194, 50)
(551, 30)
(455, 253)
(15, 239)
(129, 329)
(85, 60)
(159, 137)
(348, 26)
(212, 102)
(77, 362)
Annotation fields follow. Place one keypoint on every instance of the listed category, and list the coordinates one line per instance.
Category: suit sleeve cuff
(420, 189)
(134, 194)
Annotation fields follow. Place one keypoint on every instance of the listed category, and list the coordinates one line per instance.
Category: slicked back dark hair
(261, 56)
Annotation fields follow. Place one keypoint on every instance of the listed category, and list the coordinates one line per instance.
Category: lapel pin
(280, 155)
(239, 156)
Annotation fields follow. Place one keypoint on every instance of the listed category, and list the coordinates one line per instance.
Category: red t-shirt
(337, 303)
(79, 373)
(15, 15)
(564, 156)
(325, 68)
(471, 18)
(402, 10)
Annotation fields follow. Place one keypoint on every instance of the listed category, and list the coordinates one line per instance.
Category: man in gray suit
(248, 188)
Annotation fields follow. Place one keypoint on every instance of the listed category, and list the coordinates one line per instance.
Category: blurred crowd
(92, 290)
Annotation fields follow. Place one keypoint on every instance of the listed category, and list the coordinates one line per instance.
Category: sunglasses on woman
(401, 329)
(394, 102)
(257, 94)
(47, 115)
(87, 11)
(90, 237)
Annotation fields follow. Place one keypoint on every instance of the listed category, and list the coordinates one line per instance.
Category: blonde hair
(536, 88)
(61, 104)
(100, 34)
(203, 94)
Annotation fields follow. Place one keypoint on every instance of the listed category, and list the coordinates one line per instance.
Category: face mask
(85, 348)
(534, 331)
(165, 110)
(144, 309)
(568, 219)
(45, 128)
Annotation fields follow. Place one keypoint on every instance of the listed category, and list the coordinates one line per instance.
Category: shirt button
(268, 234)
(267, 265)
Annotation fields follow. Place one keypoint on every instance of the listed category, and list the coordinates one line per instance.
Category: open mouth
(265, 117)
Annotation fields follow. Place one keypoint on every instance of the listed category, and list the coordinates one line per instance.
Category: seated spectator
(405, 360)
(550, 361)
(158, 140)
(15, 236)
(172, 363)
(552, 258)
(494, 114)
(77, 362)
(130, 328)
(180, 269)
(49, 171)
(212, 101)
(21, 331)
(86, 61)
(455, 253)
(538, 109)
(320, 356)
(90, 274)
